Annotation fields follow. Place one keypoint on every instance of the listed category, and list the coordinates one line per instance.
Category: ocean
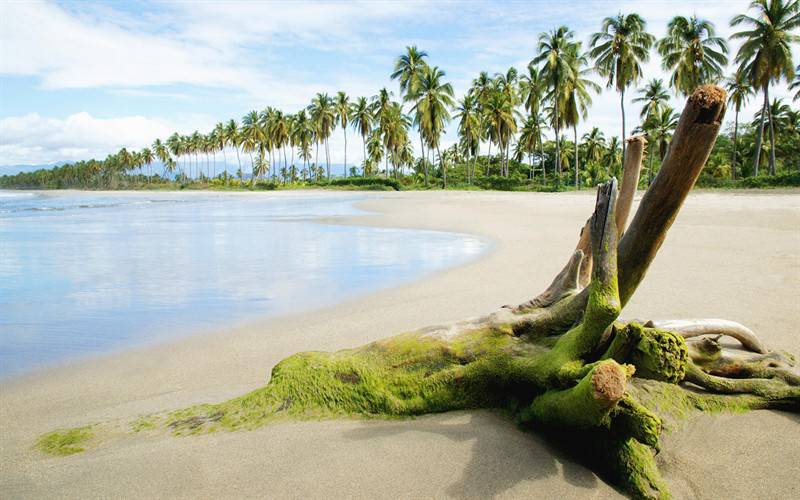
(85, 273)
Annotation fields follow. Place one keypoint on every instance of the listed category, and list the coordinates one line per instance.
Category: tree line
(509, 113)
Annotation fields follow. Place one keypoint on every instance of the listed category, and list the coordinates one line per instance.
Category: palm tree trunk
(771, 144)
(238, 159)
(622, 139)
(735, 135)
(364, 165)
(760, 135)
(442, 165)
(316, 159)
(424, 160)
(541, 158)
(344, 130)
(328, 158)
(489, 157)
(575, 135)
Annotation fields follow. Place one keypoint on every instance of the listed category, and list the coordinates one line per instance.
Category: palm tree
(766, 54)
(407, 70)
(195, 144)
(219, 144)
(739, 92)
(576, 98)
(161, 153)
(260, 167)
(693, 53)
(252, 134)
(554, 50)
(361, 116)
(619, 51)
(659, 128)
(595, 142)
(532, 92)
(174, 145)
(324, 118)
(778, 113)
(611, 157)
(435, 97)
(341, 105)
(654, 96)
(303, 133)
(279, 134)
(147, 157)
(233, 138)
(469, 128)
(528, 140)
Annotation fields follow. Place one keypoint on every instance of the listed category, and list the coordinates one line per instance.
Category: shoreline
(533, 235)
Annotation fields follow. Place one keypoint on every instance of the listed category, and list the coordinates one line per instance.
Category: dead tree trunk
(562, 362)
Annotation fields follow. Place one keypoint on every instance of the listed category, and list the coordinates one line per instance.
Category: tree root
(560, 363)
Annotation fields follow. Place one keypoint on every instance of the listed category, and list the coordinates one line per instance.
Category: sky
(80, 80)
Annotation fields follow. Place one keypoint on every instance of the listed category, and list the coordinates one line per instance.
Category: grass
(65, 441)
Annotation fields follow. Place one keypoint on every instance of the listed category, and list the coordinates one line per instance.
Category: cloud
(33, 139)
(241, 55)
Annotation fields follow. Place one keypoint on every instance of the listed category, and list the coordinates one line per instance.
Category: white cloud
(250, 54)
(33, 139)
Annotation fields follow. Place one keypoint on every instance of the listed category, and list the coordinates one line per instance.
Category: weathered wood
(691, 144)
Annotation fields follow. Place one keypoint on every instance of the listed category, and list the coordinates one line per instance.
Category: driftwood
(562, 363)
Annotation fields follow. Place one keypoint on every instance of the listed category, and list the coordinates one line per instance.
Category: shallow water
(86, 273)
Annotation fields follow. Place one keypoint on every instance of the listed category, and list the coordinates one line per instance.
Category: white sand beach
(733, 255)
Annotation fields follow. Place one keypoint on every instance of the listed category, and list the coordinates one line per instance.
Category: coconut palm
(434, 99)
(469, 128)
(219, 143)
(260, 167)
(303, 133)
(659, 128)
(341, 104)
(554, 56)
(407, 70)
(619, 51)
(532, 89)
(527, 142)
(146, 155)
(594, 143)
(693, 53)
(233, 138)
(653, 97)
(506, 84)
(195, 145)
(777, 113)
(252, 135)
(361, 116)
(278, 134)
(161, 152)
(576, 95)
(324, 118)
(739, 92)
(765, 55)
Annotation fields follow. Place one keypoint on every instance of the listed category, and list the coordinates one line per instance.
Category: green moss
(65, 441)
(659, 355)
(144, 423)
(404, 375)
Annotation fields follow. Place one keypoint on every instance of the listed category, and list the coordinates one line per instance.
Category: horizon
(192, 65)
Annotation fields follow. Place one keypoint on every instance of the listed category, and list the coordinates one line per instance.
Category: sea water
(84, 273)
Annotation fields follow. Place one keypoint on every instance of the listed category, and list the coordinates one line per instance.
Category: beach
(733, 255)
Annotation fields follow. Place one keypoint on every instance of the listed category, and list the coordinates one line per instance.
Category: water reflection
(89, 273)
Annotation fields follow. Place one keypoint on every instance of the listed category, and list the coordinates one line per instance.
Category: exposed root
(689, 328)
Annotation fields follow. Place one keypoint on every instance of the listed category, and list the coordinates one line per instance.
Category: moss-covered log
(562, 363)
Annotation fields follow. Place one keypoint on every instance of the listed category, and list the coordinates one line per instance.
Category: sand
(732, 255)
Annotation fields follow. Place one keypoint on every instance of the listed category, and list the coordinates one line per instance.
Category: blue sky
(82, 79)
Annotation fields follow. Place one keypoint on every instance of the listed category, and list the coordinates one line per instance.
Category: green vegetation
(65, 441)
(507, 113)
